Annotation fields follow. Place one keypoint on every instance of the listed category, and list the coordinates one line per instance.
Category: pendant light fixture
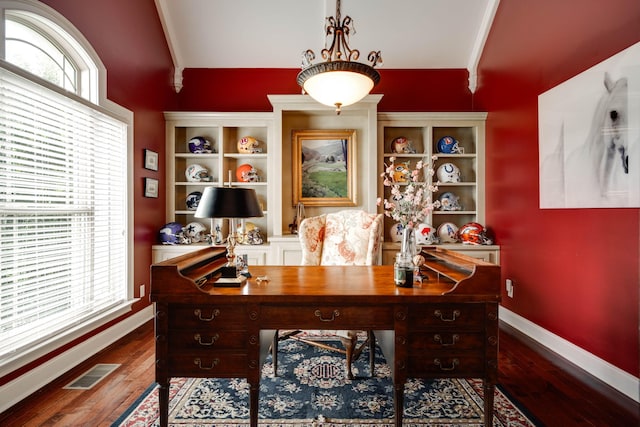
(339, 81)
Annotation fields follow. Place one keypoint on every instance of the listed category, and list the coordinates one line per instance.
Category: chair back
(348, 237)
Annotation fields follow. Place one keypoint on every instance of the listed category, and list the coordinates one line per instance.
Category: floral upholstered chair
(348, 237)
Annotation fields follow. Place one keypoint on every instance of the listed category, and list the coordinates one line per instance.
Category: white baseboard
(27, 384)
(599, 368)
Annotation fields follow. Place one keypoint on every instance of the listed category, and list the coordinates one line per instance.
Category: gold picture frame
(324, 167)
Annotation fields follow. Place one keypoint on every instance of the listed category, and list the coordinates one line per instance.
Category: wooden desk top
(474, 280)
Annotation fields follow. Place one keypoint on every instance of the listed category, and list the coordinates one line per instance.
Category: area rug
(312, 390)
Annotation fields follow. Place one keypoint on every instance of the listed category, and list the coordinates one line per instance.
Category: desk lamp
(229, 202)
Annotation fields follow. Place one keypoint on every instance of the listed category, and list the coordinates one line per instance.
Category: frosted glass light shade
(338, 83)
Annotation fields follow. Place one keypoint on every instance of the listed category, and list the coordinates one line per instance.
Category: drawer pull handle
(213, 340)
(334, 314)
(454, 364)
(215, 313)
(454, 339)
(198, 362)
(439, 315)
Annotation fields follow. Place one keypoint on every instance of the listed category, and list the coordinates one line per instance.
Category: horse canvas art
(589, 136)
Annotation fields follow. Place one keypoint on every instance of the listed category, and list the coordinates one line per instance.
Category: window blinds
(63, 213)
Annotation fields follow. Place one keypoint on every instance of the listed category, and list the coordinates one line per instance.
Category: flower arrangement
(411, 197)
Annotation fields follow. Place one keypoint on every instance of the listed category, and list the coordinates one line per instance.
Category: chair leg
(372, 350)
(349, 346)
(274, 353)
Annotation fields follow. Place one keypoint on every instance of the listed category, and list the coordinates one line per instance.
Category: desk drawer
(446, 340)
(205, 315)
(207, 339)
(456, 316)
(208, 364)
(327, 317)
(446, 365)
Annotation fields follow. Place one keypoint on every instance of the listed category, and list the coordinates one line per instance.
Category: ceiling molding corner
(169, 35)
(478, 47)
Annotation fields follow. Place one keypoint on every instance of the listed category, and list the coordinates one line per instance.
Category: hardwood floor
(554, 391)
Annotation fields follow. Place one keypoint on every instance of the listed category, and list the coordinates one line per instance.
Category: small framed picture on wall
(150, 187)
(150, 160)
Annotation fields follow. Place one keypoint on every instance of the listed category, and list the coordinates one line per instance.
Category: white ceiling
(411, 34)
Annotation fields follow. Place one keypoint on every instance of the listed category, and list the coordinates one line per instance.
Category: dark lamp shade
(228, 202)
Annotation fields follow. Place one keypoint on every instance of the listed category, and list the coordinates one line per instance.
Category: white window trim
(99, 99)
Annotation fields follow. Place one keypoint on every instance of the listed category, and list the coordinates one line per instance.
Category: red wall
(576, 271)
(220, 89)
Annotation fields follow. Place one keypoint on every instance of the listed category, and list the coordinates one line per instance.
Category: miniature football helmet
(449, 202)
(199, 145)
(402, 145)
(249, 234)
(448, 172)
(449, 145)
(195, 232)
(248, 145)
(247, 173)
(193, 199)
(448, 232)
(395, 232)
(473, 233)
(425, 234)
(401, 173)
(171, 234)
(197, 173)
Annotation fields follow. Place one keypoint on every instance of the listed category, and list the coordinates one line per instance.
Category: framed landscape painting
(324, 169)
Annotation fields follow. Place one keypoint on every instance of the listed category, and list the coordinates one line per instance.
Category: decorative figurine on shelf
(254, 237)
(217, 235)
(247, 173)
(448, 172)
(297, 218)
(193, 199)
(449, 145)
(449, 202)
(197, 173)
(402, 145)
(249, 145)
(200, 145)
(248, 234)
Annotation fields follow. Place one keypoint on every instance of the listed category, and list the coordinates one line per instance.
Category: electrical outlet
(509, 286)
(142, 290)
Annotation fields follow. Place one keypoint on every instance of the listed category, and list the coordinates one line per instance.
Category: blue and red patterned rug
(311, 389)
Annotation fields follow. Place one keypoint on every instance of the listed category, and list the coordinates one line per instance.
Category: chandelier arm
(338, 81)
(375, 57)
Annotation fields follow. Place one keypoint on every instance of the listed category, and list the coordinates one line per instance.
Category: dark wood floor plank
(554, 391)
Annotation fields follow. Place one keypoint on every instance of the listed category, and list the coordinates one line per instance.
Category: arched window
(64, 187)
(28, 48)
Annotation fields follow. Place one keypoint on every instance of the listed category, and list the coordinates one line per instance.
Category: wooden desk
(446, 328)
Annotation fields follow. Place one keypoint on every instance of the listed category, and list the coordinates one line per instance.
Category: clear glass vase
(403, 267)
(408, 243)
